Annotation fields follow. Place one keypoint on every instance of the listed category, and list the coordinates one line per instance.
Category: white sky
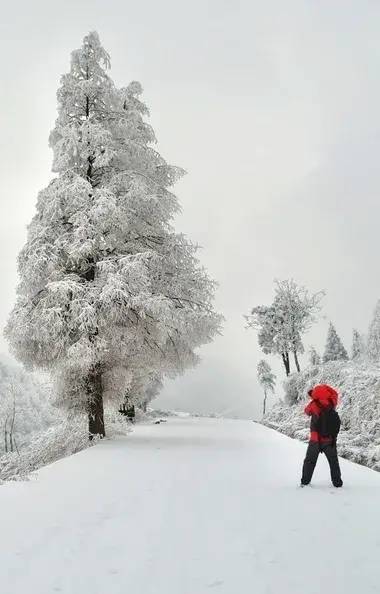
(272, 108)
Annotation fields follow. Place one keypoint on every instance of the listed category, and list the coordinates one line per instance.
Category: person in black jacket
(324, 429)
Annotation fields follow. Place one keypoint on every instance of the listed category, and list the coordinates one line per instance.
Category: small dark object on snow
(128, 412)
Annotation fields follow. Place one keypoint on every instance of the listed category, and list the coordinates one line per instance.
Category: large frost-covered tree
(267, 380)
(281, 326)
(334, 350)
(373, 344)
(107, 286)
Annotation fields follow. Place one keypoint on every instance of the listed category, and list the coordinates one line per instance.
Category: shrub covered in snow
(26, 407)
(34, 432)
(359, 387)
(62, 439)
(58, 441)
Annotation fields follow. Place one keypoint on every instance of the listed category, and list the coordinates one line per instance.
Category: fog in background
(272, 108)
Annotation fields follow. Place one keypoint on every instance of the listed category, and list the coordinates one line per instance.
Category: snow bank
(359, 387)
(60, 440)
(26, 407)
(41, 432)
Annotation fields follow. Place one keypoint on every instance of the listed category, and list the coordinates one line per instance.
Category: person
(324, 429)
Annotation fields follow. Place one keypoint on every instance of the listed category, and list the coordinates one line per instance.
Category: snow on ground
(192, 506)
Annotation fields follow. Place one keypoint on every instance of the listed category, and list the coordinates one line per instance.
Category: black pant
(313, 451)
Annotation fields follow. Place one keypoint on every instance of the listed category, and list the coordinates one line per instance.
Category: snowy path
(192, 506)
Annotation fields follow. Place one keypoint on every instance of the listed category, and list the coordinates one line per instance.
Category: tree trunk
(265, 403)
(286, 362)
(95, 405)
(296, 361)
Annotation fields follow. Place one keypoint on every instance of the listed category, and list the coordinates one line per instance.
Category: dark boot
(332, 456)
(310, 461)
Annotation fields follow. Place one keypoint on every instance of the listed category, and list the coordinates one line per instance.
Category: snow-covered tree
(107, 286)
(151, 390)
(267, 380)
(282, 325)
(373, 344)
(143, 388)
(314, 357)
(263, 319)
(334, 350)
(358, 345)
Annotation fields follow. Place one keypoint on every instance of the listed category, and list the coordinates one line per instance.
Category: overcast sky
(272, 108)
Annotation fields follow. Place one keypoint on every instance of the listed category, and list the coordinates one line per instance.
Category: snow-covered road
(192, 506)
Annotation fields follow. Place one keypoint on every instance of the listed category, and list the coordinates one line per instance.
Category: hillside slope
(359, 389)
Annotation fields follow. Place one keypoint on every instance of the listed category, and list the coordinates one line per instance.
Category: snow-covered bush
(359, 387)
(58, 441)
(34, 432)
(298, 384)
(26, 407)
(62, 439)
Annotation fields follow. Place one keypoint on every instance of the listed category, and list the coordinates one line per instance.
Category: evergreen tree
(107, 287)
(266, 379)
(334, 350)
(314, 357)
(358, 346)
(373, 345)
